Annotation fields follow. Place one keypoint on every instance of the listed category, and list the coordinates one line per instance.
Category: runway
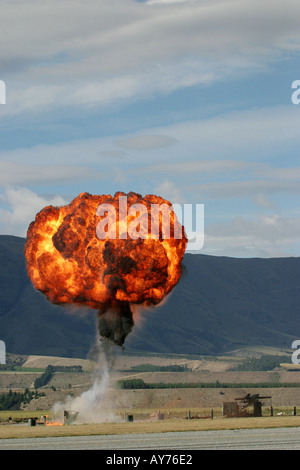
(240, 439)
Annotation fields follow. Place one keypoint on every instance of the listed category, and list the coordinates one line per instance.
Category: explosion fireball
(107, 253)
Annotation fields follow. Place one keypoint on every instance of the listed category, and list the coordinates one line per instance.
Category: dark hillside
(219, 304)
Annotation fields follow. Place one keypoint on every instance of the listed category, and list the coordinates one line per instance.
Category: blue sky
(187, 99)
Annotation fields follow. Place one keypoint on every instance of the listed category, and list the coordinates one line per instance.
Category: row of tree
(156, 368)
(137, 384)
(47, 375)
(13, 400)
(263, 363)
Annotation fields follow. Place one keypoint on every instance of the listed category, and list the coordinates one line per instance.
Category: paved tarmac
(240, 439)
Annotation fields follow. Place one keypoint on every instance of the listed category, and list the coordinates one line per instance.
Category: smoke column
(93, 405)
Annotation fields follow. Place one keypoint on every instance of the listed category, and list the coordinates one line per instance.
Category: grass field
(140, 425)
(25, 431)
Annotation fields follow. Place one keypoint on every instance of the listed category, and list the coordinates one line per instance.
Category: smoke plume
(93, 405)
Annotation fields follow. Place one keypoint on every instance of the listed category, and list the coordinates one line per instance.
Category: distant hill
(220, 304)
(29, 324)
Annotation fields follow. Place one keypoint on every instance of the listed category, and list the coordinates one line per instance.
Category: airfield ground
(25, 431)
(174, 404)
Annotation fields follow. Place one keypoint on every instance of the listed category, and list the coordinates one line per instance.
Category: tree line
(156, 368)
(13, 400)
(264, 363)
(47, 375)
(137, 384)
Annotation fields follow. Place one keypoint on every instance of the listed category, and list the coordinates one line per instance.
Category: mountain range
(219, 304)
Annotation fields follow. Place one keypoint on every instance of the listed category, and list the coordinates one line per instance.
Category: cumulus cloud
(170, 191)
(21, 207)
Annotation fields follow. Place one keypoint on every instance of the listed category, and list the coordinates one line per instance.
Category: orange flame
(54, 423)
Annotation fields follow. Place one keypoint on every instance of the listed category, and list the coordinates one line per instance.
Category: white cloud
(229, 156)
(105, 52)
(261, 236)
(170, 191)
(22, 207)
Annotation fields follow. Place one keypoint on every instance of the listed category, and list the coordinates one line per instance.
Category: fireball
(107, 253)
